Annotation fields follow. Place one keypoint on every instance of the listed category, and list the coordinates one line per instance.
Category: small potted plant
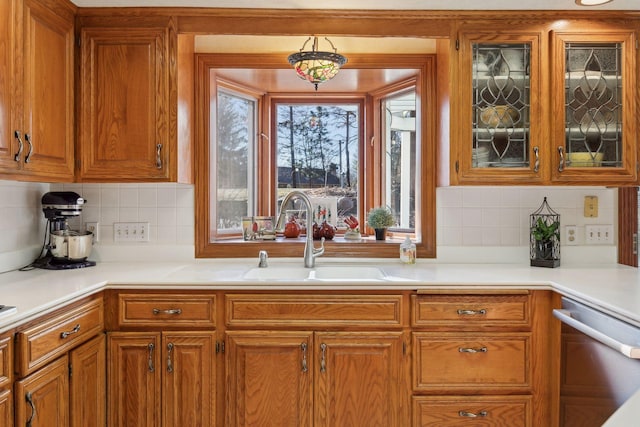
(380, 219)
(545, 234)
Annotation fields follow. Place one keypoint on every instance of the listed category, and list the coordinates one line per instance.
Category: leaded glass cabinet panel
(594, 112)
(499, 111)
(501, 103)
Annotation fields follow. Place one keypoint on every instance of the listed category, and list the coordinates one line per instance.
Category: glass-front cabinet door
(593, 110)
(499, 133)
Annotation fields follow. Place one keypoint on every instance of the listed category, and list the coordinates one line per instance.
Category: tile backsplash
(467, 217)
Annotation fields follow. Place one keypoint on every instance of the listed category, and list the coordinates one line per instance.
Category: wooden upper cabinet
(38, 141)
(125, 130)
(594, 106)
(541, 106)
(497, 109)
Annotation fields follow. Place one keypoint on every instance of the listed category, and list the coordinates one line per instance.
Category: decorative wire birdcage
(545, 236)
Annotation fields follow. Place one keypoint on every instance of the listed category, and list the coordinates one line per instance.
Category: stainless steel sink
(6, 310)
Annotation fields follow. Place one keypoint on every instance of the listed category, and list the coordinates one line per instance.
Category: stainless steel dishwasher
(600, 366)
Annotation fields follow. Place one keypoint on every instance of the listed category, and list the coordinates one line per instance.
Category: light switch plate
(131, 232)
(598, 234)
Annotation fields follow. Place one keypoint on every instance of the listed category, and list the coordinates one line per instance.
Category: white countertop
(612, 288)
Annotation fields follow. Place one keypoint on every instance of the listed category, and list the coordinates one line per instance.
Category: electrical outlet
(131, 232)
(93, 228)
(598, 234)
(570, 235)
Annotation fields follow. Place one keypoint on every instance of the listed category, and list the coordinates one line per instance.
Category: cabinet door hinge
(457, 166)
(634, 243)
(70, 370)
(457, 44)
(219, 347)
(79, 41)
(404, 348)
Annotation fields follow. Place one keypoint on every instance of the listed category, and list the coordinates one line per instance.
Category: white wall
(474, 224)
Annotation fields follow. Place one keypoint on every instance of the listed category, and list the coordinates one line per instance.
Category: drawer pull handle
(169, 362)
(463, 312)
(159, 156)
(29, 399)
(561, 164)
(472, 350)
(468, 414)
(66, 334)
(151, 347)
(27, 138)
(169, 311)
(323, 357)
(18, 138)
(303, 347)
(536, 165)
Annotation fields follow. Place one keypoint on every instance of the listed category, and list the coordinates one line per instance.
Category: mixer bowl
(71, 245)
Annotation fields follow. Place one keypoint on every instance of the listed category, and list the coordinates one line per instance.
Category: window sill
(367, 247)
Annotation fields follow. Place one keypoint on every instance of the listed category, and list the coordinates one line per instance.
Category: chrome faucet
(262, 259)
(310, 253)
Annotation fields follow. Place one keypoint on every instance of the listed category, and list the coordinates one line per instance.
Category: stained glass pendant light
(316, 66)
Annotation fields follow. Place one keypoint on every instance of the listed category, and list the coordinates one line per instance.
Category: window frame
(372, 157)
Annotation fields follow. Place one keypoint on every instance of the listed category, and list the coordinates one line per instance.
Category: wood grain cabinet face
(332, 360)
(40, 142)
(161, 379)
(6, 408)
(270, 378)
(594, 112)
(503, 411)
(43, 342)
(88, 383)
(535, 105)
(166, 311)
(124, 100)
(6, 362)
(498, 108)
(42, 397)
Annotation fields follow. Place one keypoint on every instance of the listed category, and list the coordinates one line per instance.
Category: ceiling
(367, 4)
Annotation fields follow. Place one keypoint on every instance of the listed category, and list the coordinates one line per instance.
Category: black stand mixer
(66, 249)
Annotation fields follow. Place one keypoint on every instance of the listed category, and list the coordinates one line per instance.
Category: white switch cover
(598, 234)
(131, 232)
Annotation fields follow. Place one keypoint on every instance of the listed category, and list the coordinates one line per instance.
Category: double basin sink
(333, 273)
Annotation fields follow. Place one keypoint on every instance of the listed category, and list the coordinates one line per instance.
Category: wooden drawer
(314, 310)
(47, 340)
(6, 361)
(471, 311)
(451, 362)
(489, 411)
(167, 310)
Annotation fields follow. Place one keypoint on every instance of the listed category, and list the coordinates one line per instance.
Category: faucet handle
(262, 259)
(319, 251)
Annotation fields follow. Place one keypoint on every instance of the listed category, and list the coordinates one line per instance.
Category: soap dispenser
(408, 251)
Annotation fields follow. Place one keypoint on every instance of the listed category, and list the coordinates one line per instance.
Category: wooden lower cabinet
(306, 378)
(6, 408)
(66, 392)
(161, 379)
(87, 401)
(486, 411)
(41, 397)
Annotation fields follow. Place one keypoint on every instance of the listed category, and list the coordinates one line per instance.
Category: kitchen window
(349, 150)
